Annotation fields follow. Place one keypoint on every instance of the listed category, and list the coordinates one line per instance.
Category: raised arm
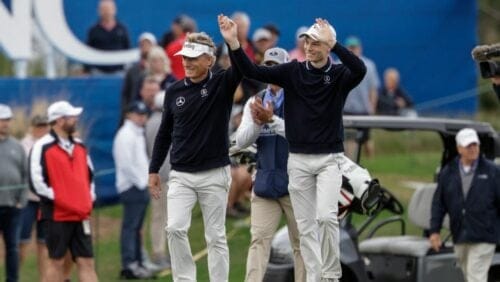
(356, 67)
(275, 74)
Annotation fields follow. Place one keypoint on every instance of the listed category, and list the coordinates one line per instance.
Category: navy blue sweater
(195, 121)
(314, 98)
(474, 218)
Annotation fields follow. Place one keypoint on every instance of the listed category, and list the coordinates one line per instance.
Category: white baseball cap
(313, 33)
(261, 34)
(62, 109)
(147, 36)
(5, 112)
(466, 136)
(194, 50)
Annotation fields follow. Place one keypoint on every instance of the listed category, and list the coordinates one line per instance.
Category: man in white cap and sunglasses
(195, 122)
(61, 174)
(468, 191)
(315, 93)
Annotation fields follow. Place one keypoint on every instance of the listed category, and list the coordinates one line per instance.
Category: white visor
(194, 50)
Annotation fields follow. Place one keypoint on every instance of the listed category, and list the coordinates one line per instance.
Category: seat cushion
(397, 245)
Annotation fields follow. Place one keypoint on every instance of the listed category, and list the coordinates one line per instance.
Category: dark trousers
(135, 203)
(10, 227)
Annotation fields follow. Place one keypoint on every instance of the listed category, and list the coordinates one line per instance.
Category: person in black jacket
(469, 192)
(195, 122)
(316, 91)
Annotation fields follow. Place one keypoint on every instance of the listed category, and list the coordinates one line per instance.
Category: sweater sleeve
(163, 139)
(438, 209)
(356, 69)
(277, 74)
(248, 131)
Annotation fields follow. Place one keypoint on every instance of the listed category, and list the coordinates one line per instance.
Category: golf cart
(403, 257)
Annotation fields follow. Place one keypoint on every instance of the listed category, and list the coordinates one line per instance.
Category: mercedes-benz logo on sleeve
(180, 101)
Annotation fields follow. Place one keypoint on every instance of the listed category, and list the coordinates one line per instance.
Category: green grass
(399, 157)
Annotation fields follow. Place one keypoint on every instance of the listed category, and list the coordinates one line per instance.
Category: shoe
(135, 271)
(234, 213)
(163, 263)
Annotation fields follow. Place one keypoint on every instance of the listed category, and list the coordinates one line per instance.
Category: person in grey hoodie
(13, 178)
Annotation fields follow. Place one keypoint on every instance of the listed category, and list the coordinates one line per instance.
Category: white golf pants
(210, 188)
(314, 186)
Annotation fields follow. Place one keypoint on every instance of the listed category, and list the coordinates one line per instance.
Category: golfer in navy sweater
(315, 94)
(195, 122)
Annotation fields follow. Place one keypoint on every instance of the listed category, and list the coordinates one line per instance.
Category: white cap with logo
(194, 50)
(275, 55)
(62, 109)
(466, 136)
(5, 112)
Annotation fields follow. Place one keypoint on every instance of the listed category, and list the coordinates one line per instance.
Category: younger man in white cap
(270, 198)
(315, 93)
(469, 192)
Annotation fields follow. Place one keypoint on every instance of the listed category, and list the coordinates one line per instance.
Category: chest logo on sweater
(204, 93)
(327, 79)
(180, 101)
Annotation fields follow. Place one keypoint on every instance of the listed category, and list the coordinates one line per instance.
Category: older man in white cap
(469, 192)
(315, 93)
(13, 177)
(195, 122)
(61, 174)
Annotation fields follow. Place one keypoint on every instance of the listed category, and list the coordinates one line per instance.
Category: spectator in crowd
(469, 192)
(177, 29)
(131, 162)
(61, 175)
(275, 32)
(158, 66)
(270, 198)
(262, 39)
(313, 122)
(188, 25)
(248, 86)
(243, 21)
(392, 99)
(135, 74)
(160, 256)
(150, 87)
(195, 122)
(39, 128)
(107, 34)
(13, 180)
(363, 98)
(298, 53)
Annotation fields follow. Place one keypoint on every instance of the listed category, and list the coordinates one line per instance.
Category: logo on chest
(180, 101)
(204, 93)
(327, 79)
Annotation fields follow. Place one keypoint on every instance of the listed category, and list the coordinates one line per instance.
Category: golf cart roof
(446, 127)
(443, 125)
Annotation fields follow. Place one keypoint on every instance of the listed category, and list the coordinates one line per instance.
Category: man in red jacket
(61, 175)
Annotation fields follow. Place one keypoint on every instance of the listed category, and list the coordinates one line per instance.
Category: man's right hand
(229, 31)
(435, 240)
(154, 185)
